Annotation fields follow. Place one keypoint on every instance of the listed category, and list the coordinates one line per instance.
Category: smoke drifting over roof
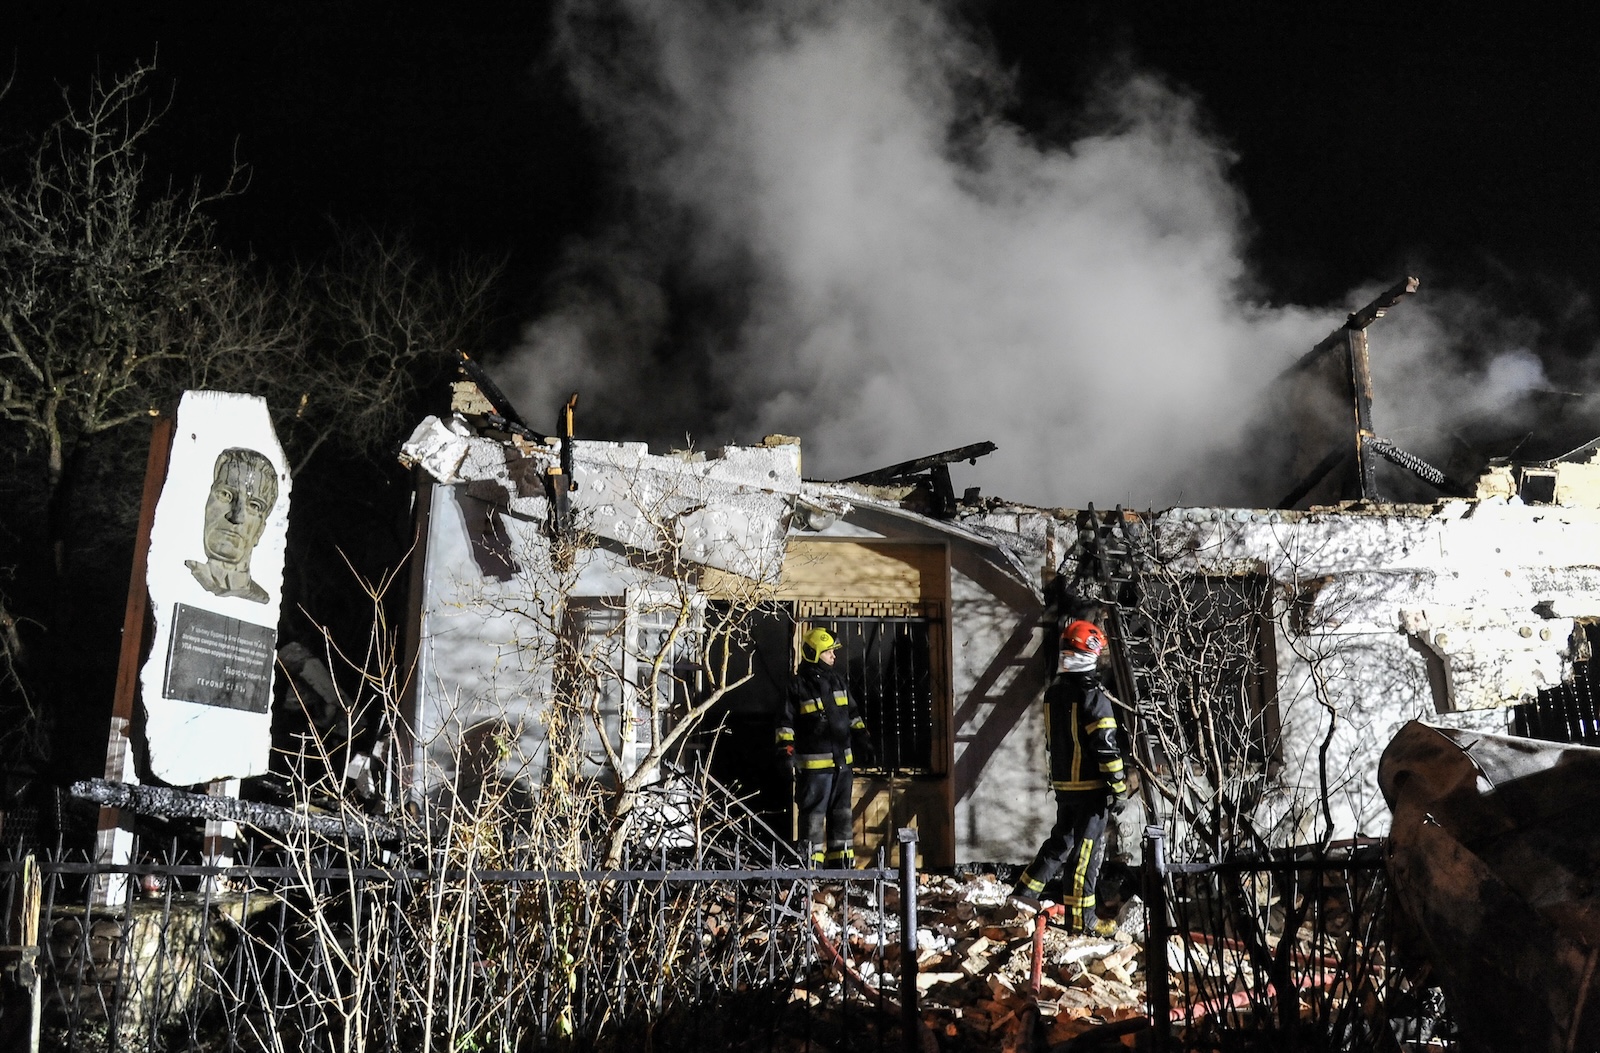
(825, 226)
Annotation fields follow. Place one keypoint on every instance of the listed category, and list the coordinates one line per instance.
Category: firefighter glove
(862, 750)
(786, 757)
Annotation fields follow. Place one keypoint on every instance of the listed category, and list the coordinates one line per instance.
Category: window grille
(1566, 713)
(888, 656)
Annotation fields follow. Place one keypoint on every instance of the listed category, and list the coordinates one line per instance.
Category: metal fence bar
(911, 1017)
(1279, 954)
(270, 974)
(1157, 977)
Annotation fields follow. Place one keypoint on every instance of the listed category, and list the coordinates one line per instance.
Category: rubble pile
(975, 965)
(991, 977)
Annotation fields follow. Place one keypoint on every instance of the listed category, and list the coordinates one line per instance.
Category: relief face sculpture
(244, 487)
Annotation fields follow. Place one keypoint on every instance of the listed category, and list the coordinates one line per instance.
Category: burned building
(1264, 657)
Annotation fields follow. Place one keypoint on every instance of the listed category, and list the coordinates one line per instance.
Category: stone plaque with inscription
(219, 661)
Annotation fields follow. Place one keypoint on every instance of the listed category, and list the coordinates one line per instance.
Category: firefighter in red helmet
(1086, 775)
(821, 735)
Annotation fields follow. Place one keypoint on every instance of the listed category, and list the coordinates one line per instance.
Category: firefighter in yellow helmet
(821, 735)
(1086, 775)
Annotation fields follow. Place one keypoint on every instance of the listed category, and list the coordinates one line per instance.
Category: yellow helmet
(815, 643)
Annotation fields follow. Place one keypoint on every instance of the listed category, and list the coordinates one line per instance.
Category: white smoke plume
(825, 226)
(1449, 365)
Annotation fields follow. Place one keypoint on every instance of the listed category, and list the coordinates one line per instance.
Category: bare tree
(114, 298)
(108, 287)
(1216, 710)
(365, 328)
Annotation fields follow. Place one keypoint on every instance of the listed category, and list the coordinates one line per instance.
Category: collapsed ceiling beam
(510, 419)
(1357, 321)
(885, 476)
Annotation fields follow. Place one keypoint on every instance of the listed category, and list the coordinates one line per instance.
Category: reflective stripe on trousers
(822, 797)
(1075, 844)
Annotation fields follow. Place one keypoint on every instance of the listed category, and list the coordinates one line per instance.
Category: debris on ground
(991, 978)
(975, 955)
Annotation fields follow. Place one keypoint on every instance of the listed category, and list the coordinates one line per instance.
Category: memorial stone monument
(215, 577)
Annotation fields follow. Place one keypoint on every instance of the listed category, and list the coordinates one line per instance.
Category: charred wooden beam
(1349, 344)
(1377, 308)
(1357, 321)
(508, 417)
(168, 803)
(1359, 368)
(559, 479)
(905, 469)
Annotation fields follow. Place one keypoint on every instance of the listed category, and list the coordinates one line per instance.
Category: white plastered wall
(1446, 613)
(1002, 801)
(479, 651)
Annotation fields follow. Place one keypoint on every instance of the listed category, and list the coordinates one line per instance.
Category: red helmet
(1083, 637)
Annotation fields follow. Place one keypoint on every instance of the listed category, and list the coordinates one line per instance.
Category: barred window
(1567, 712)
(887, 656)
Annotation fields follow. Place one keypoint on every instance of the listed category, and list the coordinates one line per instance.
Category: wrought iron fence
(349, 952)
(323, 951)
(1305, 952)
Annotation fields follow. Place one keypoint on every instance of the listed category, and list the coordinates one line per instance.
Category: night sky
(443, 123)
(1372, 141)
(1370, 138)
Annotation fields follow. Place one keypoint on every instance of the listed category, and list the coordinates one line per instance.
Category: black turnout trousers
(1075, 843)
(823, 800)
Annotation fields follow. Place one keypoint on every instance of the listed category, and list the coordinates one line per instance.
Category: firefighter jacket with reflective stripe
(819, 717)
(1082, 735)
